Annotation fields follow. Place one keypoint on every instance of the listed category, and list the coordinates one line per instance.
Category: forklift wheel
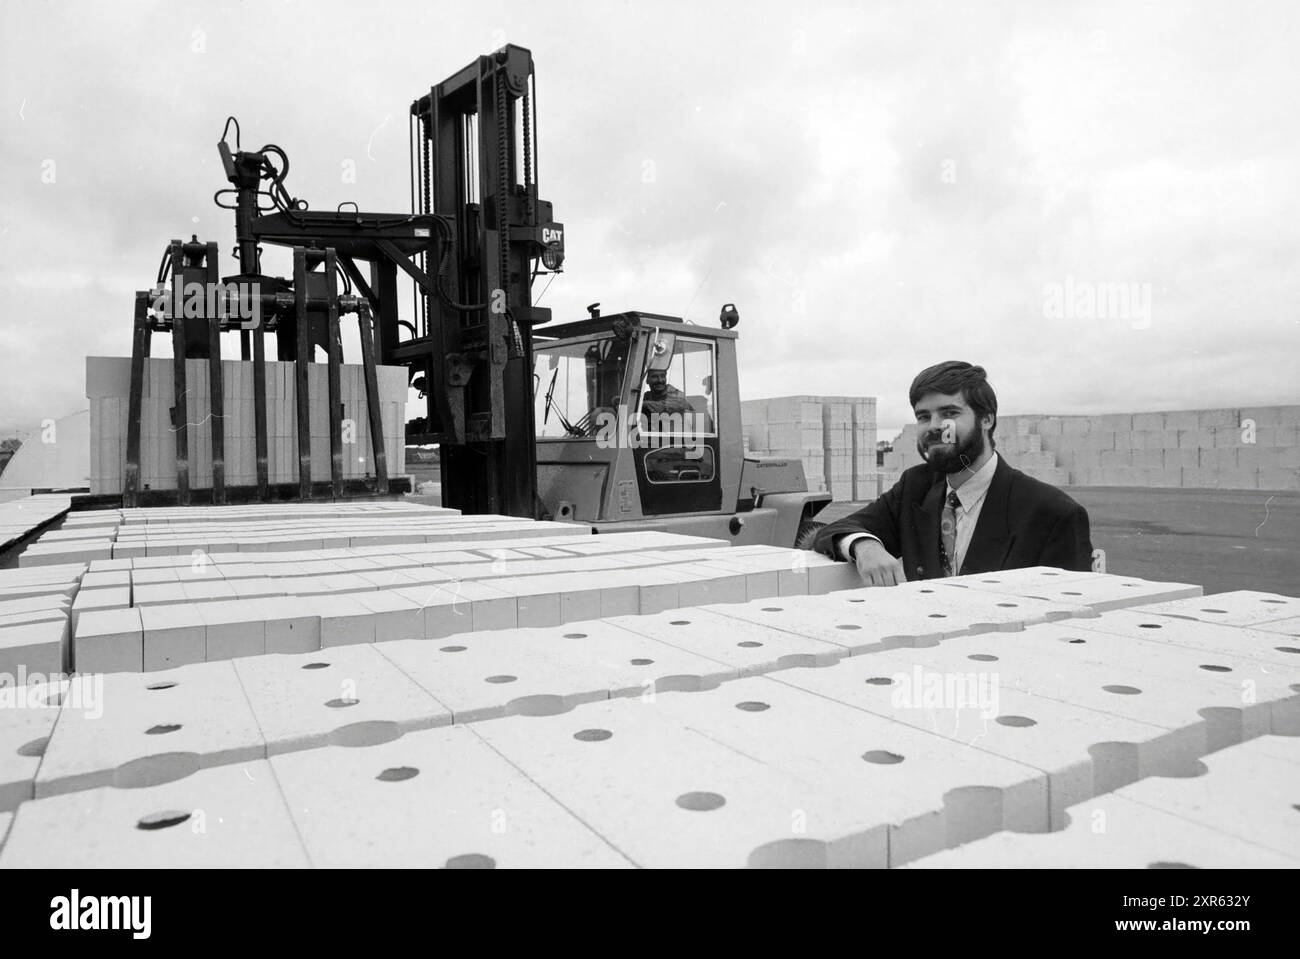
(807, 533)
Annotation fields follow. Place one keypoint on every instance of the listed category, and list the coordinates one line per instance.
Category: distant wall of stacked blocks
(833, 436)
(1244, 449)
(108, 381)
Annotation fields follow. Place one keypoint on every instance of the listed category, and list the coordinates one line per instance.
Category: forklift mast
(475, 171)
(476, 237)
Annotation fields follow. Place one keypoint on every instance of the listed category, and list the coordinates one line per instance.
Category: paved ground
(1221, 540)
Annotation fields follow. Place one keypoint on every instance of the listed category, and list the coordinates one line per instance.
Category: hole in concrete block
(341, 703)
(471, 860)
(575, 635)
(1210, 667)
(882, 757)
(749, 644)
(752, 707)
(365, 734)
(789, 854)
(155, 770)
(1070, 592)
(165, 685)
(983, 657)
(1009, 605)
(1170, 865)
(680, 622)
(397, 774)
(162, 729)
(1150, 626)
(927, 591)
(543, 705)
(1072, 639)
(498, 680)
(641, 662)
(700, 801)
(592, 735)
(857, 601)
(685, 684)
(1120, 690)
(1278, 602)
(452, 649)
(1214, 611)
(938, 615)
(848, 626)
(879, 681)
(971, 812)
(35, 748)
(1287, 649)
(1018, 721)
(162, 820)
(315, 666)
(773, 609)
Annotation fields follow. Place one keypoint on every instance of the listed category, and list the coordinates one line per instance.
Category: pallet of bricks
(834, 437)
(108, 381)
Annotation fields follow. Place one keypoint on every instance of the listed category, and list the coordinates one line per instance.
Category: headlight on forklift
(553, 257)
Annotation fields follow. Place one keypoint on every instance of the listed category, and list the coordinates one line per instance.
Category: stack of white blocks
(833, 436)
(1246, 449)
(108, 382)
(970, 717)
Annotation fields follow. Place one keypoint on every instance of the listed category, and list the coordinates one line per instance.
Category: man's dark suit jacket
(1023, 522)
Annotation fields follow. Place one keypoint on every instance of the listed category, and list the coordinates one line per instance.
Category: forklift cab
(630, 411)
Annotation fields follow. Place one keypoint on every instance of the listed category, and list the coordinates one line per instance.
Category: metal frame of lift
(470, 244)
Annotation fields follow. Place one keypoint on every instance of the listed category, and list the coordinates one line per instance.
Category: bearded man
(965, 509)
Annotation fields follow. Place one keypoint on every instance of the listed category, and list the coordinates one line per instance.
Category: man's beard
(965, 454)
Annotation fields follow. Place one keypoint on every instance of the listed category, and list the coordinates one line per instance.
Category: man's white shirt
(972, 495)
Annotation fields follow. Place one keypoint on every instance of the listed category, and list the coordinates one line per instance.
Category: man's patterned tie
(948, 533)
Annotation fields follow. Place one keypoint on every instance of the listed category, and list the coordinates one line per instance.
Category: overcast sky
(876, 186)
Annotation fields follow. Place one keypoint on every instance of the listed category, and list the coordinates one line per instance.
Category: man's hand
(875, 565)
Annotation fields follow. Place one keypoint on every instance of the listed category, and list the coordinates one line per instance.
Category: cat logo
(552, 236)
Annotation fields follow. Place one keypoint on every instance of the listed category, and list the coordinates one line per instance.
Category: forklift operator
(661, 397)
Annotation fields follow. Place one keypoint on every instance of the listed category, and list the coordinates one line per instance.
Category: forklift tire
(807, 533)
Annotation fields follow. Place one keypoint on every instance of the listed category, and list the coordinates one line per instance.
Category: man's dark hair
(953, 377)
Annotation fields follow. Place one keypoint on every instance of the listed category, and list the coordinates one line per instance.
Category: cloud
(876, 189)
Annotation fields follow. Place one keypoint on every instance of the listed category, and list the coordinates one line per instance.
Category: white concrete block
(1238, 608)
(746, 647)
(26, 720)
(343, 620)
(1098, 591)
(227, 817)
(930, 791)
(372, 808)
(347, 696)
(33, 647)
(1154, 683)
(1238, 642)
(543, 671)
(233, 628)
(108, 640)
(174, 635)
(711, 806)
(291, 625)
(1248, 792)
(1113, 832)
(395, 616)
(151, 729)
(961, 696)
